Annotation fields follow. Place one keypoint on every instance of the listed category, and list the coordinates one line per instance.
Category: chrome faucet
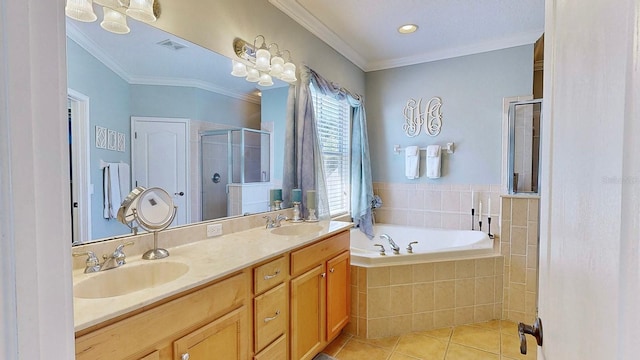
(116, 259)
(394, 246)
(273, 223)
(92, 264)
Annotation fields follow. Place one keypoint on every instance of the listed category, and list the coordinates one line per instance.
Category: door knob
(181, 193)
(535, 330)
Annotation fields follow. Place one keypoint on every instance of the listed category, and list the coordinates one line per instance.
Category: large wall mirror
(146, 105)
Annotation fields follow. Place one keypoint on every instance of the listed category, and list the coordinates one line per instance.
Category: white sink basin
(297, 230)
(128, 278)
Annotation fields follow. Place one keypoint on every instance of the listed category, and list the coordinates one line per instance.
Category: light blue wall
(472, 88)
(274, 108)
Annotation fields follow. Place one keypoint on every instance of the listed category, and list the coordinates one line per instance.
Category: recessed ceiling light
(408, 28)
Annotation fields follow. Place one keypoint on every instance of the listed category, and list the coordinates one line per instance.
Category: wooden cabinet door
(223, 338)
(338, 294)
(308, 313)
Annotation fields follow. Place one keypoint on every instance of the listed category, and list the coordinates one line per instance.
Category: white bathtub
(433, 245)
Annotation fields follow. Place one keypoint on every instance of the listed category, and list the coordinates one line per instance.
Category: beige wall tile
(517, 298)
(506, 208)
(532, 257)
(443, 318)
(422, 321)
(505, 250)
(532, 236)
(505, 231)
(416, 200)
(379, 276)
(530, 302)
(362, 304)
(445, 270)
(519, 212)
(465, 269)
(433, 200)
(451, 221)
(401, 300)
(465, 292)
(362, 279)
(463, 315)
(485, 267)
(518, 267)
(377, 328)
(444, 294)
(518, 240)
(433, 220)
(423, 272)
(401, 274)
(451, 201)
(416, 218)
(483, 313)
(484, 290)
(499, 265)
(533, 209)
(532, 280)
(354, 275)
(423, 297)
(498, 288)
(362, 327)
(400, 325)
(378, 302)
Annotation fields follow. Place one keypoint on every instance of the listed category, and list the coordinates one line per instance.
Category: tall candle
(473, 199)
(480, 211)
(278, 195)
(296, 195)
(272, 196)
(311, 199)
(489, 211)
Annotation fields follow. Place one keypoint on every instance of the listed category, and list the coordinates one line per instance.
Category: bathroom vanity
(278, 296)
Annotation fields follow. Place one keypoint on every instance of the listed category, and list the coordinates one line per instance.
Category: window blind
(334, 133)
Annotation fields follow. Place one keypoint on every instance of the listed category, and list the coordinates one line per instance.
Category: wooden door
(221, 339)
(338, 294)
(159, 157)
(307, 313)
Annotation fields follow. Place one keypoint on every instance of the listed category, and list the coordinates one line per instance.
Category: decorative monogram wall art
(415, 116)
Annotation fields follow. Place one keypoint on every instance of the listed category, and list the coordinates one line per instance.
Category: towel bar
(448, 148)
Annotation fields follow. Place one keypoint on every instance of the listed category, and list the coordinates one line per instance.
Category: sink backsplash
(170, 237)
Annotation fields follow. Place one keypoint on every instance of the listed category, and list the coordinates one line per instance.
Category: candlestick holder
(312, 216)
(480, 225)
(277, 205)
(473, 219)
(296, 212)
(489, 230)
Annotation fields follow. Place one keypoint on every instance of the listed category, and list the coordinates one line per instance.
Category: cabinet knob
(332, 270)
(323, 274)
(267, 319)
(185, 356)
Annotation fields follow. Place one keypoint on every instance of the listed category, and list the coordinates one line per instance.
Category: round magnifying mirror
(155, 209)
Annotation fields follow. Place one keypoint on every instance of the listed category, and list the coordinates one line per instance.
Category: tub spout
(394, 246)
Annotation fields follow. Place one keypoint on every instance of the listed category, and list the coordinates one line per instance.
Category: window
(334, 131)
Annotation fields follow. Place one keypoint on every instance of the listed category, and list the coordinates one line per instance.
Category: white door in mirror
(214, 230)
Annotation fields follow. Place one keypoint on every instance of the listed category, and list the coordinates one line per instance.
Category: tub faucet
(394, 246)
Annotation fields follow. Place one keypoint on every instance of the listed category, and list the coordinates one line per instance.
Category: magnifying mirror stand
(155, 253)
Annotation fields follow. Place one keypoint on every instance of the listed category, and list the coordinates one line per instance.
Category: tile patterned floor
(493, 340)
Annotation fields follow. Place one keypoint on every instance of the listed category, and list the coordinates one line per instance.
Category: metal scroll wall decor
(415, 113)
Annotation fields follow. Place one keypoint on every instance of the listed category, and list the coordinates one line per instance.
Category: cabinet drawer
(315, 254)
(157, 324)
(270, 274)
(270, 316)
(275, 351)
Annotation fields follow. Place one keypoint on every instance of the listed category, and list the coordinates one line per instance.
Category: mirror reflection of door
(159, 159)
(80, 202)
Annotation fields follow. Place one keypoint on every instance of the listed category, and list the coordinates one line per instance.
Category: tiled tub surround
(437, 206)
(394, 300)
(519, 245)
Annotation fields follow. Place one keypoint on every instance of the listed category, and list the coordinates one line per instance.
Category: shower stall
(235, 172)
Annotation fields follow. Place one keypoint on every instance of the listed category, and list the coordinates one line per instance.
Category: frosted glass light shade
(239, 69)
(81, 10)
(263, 59)
(277, 66)
(265, 80)
(141, 10)
(289, 73)
(253, 75)
(114, 21)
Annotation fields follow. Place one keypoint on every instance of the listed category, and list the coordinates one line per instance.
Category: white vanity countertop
(209, 259)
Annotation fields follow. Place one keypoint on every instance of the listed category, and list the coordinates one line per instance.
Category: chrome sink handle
(270, 223)
(410, 248)
(381, 248)
(279, 218)
(92, 263)
(116, 259)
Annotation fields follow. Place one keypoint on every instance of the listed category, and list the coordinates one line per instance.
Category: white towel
(412, 161)
(124, 180)
(111, 190)
(433, 161)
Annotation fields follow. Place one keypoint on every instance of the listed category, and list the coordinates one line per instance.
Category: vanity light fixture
(408, 28)
(115, 12)
(261, 63)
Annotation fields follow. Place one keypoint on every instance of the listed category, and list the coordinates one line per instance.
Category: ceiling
(365, 31)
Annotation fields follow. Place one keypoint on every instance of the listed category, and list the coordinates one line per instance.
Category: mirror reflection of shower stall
(524, 146)
(235, 172)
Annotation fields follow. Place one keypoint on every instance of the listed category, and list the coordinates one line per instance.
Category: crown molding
(94, 49)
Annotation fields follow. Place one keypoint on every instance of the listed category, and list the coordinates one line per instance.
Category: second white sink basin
(128, 278)
(297, 230)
